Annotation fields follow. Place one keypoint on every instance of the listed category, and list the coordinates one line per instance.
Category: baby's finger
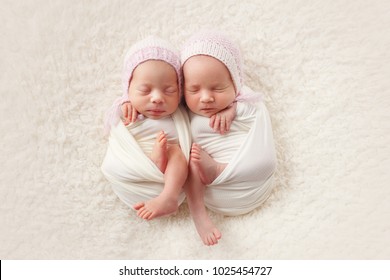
(217, 123)
(223, 126)
(134, 114)
(228, 123)
(124, 110)
(124, 115)
(212, 120)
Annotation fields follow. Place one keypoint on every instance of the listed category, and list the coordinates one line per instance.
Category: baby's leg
(166, 202)
(207, 167)
(159, 154)
(194, 189)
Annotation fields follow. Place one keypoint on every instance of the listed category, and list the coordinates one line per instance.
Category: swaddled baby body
(232, 173)
(148, 164)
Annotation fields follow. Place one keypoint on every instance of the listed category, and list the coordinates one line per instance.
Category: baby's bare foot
(207, 167)
(156, 207)
(206, 230)
(159, 154)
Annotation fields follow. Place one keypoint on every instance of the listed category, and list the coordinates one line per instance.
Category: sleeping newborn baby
(231, 174)
(147, 161)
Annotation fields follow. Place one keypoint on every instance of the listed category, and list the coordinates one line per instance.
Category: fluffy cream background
(323, 67)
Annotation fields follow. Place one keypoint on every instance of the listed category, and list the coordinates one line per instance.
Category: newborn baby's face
(208, 87)
(153, 89)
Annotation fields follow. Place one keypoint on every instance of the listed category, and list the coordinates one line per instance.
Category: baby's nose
(206, 96)
(156, 97)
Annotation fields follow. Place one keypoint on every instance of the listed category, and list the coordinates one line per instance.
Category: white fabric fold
(247, 180)
(133, 175)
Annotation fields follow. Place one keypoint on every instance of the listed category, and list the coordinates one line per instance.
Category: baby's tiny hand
(222, 121)
(130, 114)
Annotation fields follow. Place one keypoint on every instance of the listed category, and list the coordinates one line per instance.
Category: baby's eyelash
(170, 89)
(192, 90)
(221, 88)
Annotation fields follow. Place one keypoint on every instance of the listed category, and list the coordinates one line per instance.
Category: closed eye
(143, 89)
(192, 90)
(219, 88)
(170, 90)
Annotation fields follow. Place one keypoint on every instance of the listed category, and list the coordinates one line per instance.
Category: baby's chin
(156, 116)
(206, 114)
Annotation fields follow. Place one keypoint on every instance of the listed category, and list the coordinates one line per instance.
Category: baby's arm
(129, 113)
(222, 121)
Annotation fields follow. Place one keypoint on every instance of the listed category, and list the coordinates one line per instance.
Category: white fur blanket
(323, 67)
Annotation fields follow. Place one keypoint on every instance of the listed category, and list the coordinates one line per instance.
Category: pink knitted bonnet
(216, 45)
(219, 46)
(150, 48)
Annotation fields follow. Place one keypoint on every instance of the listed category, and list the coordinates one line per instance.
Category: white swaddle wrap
(133, 175)
(249, 150)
